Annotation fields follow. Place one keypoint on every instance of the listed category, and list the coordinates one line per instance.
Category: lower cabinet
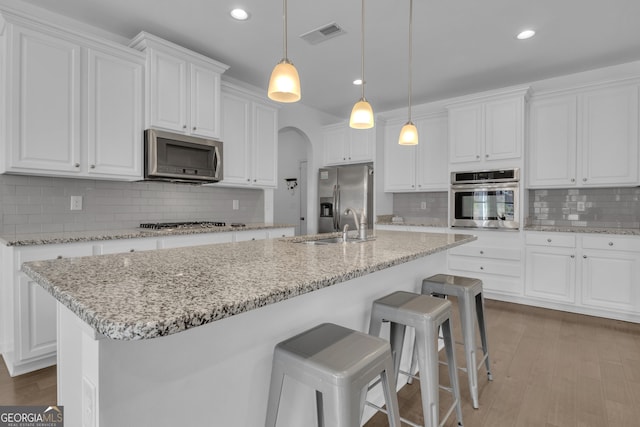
(592, 274)
(29, 312)
(495, 258)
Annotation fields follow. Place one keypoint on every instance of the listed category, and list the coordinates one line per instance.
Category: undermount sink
(334, 240)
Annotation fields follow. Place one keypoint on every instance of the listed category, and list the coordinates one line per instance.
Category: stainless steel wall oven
(485, 199)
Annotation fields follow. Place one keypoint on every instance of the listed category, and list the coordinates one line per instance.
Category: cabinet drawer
(620, 243)
(487, 266)
(487, 252)
(551, 239)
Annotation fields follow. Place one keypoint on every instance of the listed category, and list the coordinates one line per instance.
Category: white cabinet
(342, 144)
(482, 132)
(183, 88)
(28, 311)
(194, 240)
(75, 108)
(495, 258)
(593, 274)
(589, 138)
(417, 168)
(610, 271)
(250, 137)
(275, 233)
(550, 267)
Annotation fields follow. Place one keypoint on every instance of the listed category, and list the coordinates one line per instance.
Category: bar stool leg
(428, 366)
(449, 345)
(388, 387)
(320, 409)
(396, 339)
(483, 333)
(275, 391)
(467, 309)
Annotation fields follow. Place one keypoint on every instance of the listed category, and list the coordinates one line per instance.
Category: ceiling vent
(323, 33)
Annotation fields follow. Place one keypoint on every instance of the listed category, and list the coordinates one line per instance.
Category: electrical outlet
(76, 203)
(423, 205)
(580, 206)
(236, 205)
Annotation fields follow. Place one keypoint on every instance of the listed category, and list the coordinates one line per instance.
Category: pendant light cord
(362, 50)
(410, 52)
(284, 19)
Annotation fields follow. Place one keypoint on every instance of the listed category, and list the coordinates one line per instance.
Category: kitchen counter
(32, 239)
(149, 294)
(573, 229)
(215, 313)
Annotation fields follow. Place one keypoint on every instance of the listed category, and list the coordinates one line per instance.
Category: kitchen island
(185, 336)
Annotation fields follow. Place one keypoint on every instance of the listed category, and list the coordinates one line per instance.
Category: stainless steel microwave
(181, 158)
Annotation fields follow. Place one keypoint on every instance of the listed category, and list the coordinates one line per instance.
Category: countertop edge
(155, 329)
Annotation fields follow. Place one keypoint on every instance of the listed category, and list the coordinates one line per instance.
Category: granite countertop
(33, 239)
(576, 229)
(417, 223)
(150, 294)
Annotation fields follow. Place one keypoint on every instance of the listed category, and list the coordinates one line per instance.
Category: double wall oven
(485, 199)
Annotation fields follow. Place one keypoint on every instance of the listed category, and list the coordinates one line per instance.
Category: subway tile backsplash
(30, 204)
(586, 207)
(409, 206)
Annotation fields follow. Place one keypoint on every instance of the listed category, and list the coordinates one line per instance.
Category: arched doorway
(290, 198)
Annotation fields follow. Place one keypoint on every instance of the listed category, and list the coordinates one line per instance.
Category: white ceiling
(460, 46)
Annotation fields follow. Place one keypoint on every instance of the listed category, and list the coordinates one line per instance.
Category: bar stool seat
(468, 291)
(425, 314)
(339, 363)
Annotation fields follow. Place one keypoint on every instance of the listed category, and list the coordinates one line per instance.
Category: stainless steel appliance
(485, 199)
(341, 188)
(181, 158)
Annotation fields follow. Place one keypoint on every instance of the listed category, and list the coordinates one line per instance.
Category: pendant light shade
(362, 113)
(284, 85)
(409, 132)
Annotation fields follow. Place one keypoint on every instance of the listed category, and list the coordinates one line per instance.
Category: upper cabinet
(250, 138)
(182, 88)
(585, 138)
(484, 131)
(422, 167)
(74, 104)
(342, 144)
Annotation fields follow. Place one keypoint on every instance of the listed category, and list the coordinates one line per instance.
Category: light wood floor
(550, 369)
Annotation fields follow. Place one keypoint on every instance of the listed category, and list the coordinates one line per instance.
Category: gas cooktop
(182, 225)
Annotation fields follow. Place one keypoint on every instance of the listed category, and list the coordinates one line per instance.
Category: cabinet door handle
(248, 180)
(573, 180)
(132, 250)
(194, 128)
(584, 179)
(481, 252)
(584, 256)
(481, 268)
(92, 166)
(77, 165)
(549, 240)
(184, 126)
(573, 256)
(255, 180)
(486, 156)
(59, 257)
(477, 156)
(610, 243)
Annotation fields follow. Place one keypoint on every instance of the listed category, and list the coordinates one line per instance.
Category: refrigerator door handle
(336, 208)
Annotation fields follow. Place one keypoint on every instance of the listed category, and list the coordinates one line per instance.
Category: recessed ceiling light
(357, 82)
(239, 14)
(526, 34)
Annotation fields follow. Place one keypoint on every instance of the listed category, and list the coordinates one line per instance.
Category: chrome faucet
(344, 232)
(360, 225)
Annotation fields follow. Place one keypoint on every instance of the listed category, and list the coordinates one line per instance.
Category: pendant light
(409, 132)
(362, 113)
(284, 85)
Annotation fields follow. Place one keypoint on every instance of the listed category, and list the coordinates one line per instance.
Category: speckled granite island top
(156, 293)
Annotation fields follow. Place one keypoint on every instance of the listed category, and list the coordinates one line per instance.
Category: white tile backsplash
(35, 204)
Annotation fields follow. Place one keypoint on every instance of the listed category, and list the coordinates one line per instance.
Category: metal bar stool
(425, 314)
(468, 290)
(339, 363)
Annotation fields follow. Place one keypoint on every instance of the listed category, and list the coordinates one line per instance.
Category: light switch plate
(76, 203)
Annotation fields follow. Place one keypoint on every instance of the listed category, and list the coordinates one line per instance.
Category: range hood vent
(323, 33)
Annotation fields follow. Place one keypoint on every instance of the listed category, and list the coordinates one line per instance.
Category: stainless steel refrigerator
(342, 187)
